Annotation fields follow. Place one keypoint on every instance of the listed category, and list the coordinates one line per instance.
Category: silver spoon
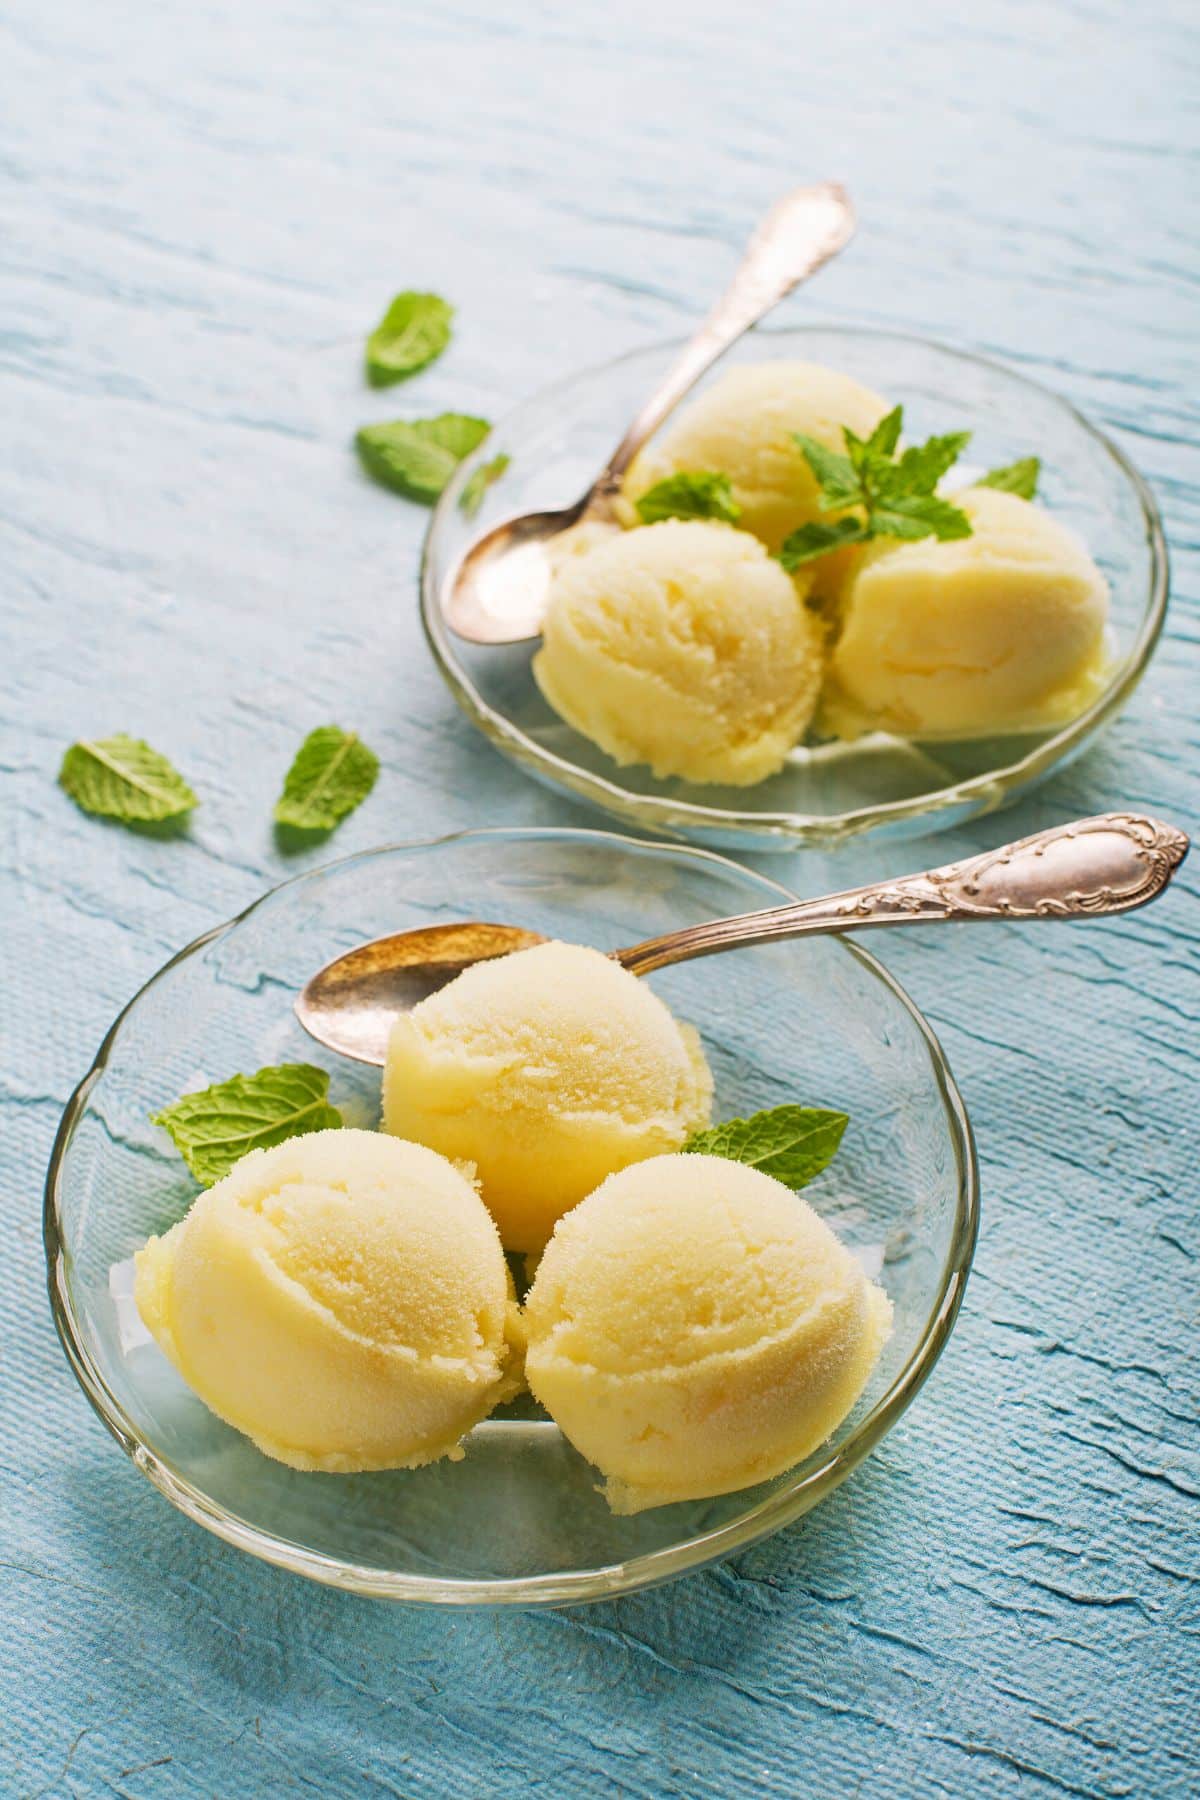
(497, 593)
(1086, 870)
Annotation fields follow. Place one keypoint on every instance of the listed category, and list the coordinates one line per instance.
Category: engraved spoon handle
(800, 233)
(1085, 870)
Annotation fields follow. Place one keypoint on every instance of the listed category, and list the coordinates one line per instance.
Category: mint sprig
(413, 331)
(879, 493)
(913, 516)
(122, 778)
(1020, 478)
(689, 494)
(417, 457)
(817, 538)
(792, 1143)
(214, 1129)
(332, 773)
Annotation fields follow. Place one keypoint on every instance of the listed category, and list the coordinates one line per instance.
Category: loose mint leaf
(332, 774)
(216, 1127)
(817, 539)
(792, 1143)
(478, 484)
(919, 468)
(1019, 478)
(123, 778)
(413, 331)
(835, 474)
(417, 457)
(690, 494)
(914, 516)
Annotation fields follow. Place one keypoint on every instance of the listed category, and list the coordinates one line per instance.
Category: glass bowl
(557, 441)
(519, 1520)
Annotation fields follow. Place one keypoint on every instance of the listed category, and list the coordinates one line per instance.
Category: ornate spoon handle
(1109, 864)
(801, 231)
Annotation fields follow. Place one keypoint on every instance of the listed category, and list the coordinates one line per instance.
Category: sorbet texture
(1000, 631)
(548, 1070)
(340, 1298)
(694, 1327)
(685, 646)
(743, 425)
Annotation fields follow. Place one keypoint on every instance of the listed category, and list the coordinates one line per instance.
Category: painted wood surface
(205, 206)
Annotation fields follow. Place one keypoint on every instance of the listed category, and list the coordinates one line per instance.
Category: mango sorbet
(685, 646)
(742, 427)
(548, 1070)
(341, 1298)
(1000, 631)
(694, 1327)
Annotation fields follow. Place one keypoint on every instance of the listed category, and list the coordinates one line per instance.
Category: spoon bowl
(501, 587)
(350, 1004)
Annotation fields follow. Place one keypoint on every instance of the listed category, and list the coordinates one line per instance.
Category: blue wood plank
(205, 206)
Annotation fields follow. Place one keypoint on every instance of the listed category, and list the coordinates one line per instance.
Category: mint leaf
(816, 539)
(412, 332)
(886, 435)
(123, 778)
(835, 474)
(478, 483)
(417, 457)
(920, 468)
(896, 494)
(212, 1130)
(792, 1143)
(1020, 478)
(333, 772)
(689, 494)
(914, 516)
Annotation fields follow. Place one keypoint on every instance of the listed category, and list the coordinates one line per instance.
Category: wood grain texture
(205, 207)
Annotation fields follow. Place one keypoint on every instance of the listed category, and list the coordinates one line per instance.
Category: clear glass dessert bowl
(518, 1521)
(830, 791)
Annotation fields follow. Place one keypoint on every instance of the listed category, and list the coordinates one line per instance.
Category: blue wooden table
(204, 208)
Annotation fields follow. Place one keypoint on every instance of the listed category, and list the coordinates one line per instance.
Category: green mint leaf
(690, 494)
(913, 516)
(895, 493)
(479, 482)
(123, 778)
(886, 435)
(919, 468)
(856, 451)
(817, 539)
(417, 457)
(332, 774)
(215, 1128)
(1020, 478)
(792, 1143)
(835, 474)
(412, 332)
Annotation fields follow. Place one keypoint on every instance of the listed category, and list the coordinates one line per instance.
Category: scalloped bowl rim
(788, 830)
(551, 1589)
